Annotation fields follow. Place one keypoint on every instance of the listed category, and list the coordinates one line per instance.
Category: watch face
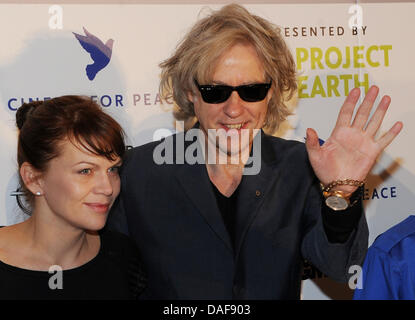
(336, 203)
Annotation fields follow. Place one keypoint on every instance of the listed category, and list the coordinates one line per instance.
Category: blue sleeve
(380, 277)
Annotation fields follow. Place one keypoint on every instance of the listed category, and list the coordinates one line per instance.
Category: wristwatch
(337, 200)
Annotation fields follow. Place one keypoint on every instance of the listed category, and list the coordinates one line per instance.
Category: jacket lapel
(252, 190)
(194, 180)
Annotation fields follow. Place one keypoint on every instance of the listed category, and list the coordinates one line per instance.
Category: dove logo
(100, 52)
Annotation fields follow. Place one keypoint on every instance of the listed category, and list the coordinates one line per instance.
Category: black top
(227, 207)
(115, 273)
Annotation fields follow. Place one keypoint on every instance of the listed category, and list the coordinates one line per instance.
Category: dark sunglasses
(220, 93)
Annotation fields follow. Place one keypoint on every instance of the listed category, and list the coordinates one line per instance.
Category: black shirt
(115, 273)
(228, 208)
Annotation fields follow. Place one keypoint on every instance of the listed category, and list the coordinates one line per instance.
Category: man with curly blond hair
(210, 227)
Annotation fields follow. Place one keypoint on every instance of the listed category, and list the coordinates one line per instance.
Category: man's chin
(231, 151)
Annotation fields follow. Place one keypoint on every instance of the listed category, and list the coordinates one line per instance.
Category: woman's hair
(44, 125)
(197, 54)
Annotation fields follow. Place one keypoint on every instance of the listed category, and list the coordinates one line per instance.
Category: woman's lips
(98, 207)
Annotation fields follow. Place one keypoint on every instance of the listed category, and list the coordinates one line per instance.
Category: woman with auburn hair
(69, 153)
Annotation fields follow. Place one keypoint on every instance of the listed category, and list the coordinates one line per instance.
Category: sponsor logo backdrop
(111, 53)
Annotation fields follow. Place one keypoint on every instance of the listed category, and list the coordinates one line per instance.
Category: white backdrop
(40, 58)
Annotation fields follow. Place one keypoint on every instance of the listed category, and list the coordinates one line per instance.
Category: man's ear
(190, 96)
(270, 93)
(31, 178)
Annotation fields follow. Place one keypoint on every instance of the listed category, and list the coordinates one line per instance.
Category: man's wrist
(341, 194)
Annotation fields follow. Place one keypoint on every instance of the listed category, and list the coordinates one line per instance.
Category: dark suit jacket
(170, 211)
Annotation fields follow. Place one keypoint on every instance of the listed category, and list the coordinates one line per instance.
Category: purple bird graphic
(100, 52)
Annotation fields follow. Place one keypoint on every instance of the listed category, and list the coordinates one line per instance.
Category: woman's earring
(38, 193)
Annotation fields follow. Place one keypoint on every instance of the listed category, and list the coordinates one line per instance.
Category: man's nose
(233, 107)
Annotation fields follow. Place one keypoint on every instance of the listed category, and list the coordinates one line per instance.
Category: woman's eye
(85, 171)
(114, 169)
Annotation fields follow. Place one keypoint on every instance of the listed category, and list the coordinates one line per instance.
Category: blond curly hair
(196, 55)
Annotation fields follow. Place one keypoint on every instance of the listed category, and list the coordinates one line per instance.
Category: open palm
(351, 150)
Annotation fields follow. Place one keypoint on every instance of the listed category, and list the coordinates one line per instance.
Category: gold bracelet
(348, 182)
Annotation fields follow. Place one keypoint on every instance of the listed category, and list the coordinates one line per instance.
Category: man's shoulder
(149, 146)
(146, 150)
(151, 154)
(283, 143)
(284, 148)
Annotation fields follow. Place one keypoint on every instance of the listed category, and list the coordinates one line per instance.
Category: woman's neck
(45, 240)
(66, 246)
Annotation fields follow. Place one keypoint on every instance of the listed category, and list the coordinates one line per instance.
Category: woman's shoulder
(3, 242)
(9, 236)
(12, 245)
